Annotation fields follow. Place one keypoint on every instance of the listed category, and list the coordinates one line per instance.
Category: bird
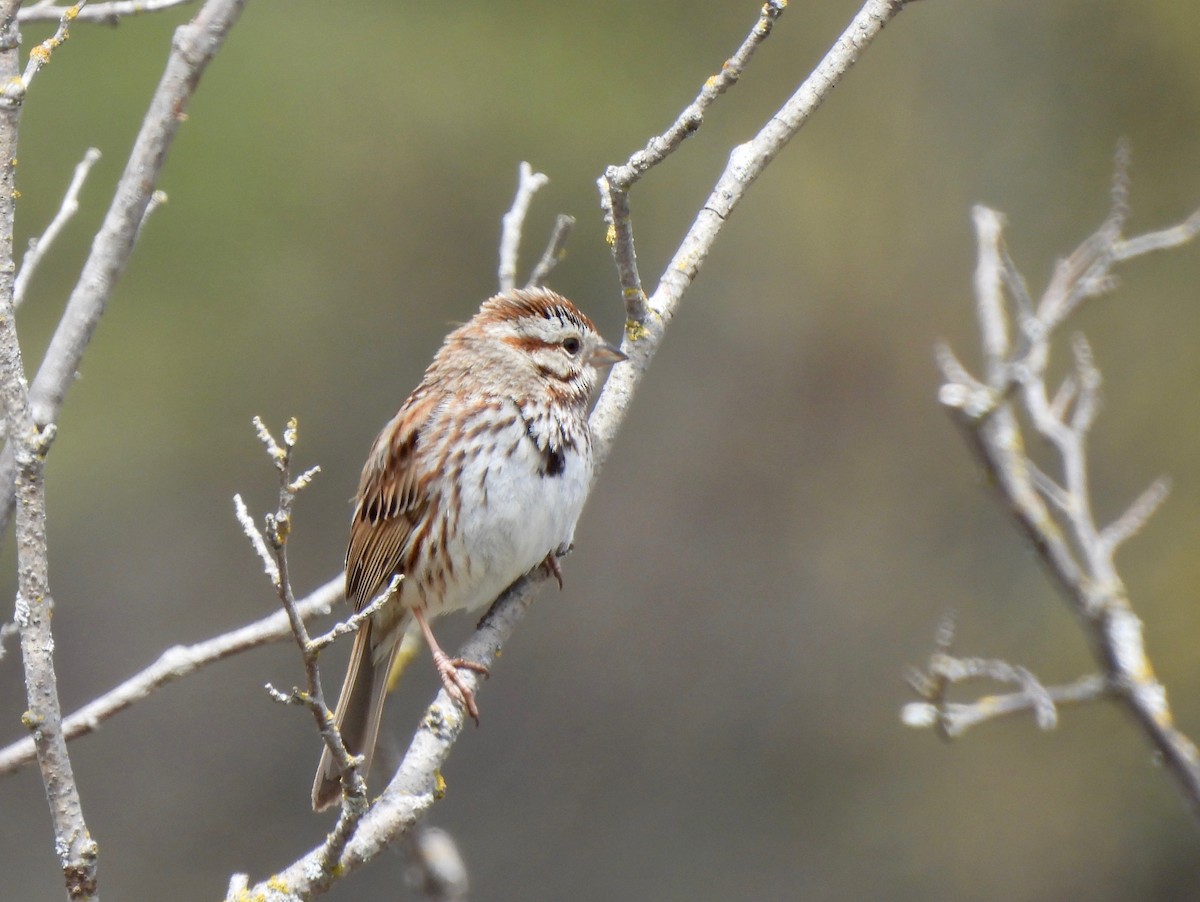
(479, 478)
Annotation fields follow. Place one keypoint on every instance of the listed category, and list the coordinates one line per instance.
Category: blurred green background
(710, 708)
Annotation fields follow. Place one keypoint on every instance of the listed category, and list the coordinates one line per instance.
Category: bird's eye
(572, 345)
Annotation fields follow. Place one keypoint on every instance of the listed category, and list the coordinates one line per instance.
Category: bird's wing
(393, 500)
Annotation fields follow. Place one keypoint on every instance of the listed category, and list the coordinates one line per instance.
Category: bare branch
(416, 784)
(40, 55)
(28, 442)
(989, 294)
(257, 542)
(555, 250)
(1163, 240)
(1079, 556)
(746, 162)
(617, 180)
(100, 13)
(194, 46)
(353, 622)
(954, 719)
(278, 528)
(39, 246)
(512, 223)
(1137, 516)
(178, 662)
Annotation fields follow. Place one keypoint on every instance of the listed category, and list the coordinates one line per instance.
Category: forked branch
(1054, 510)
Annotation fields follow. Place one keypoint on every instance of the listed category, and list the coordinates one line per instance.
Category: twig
(101, 13)
(614, 185)
(39, 246)
(953, 719)
(194, 46)
(1078, 553)
(14, 90)
(274, 537)
(175, 663)
(528, 184)
(157, 199)
(746, 163)
(257, 542)
(355, 620)
(555, 250)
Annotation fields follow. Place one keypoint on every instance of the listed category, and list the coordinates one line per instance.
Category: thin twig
(275, 537)
(354, 621)
(41, 53)
(614, 185)
(176, 663)
(39, 246)
(100, 13)
(555, 250)
(435, 866)
(528, 184)
(953, 719)
(257, 542)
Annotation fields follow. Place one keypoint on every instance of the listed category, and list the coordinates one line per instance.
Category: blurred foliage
(709, 710)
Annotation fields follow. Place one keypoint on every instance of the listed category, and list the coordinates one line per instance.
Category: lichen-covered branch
(1054, 510)
(77, 851)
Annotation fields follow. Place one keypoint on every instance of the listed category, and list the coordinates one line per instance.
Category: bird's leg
(447, 668)
(552, 567)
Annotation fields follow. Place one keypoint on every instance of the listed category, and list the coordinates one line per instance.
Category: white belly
(511, 517)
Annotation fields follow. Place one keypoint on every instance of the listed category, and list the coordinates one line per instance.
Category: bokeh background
(710, 708)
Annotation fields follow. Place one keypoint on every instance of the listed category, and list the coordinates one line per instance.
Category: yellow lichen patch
(635, 331)
(610, 236)
(439, 785)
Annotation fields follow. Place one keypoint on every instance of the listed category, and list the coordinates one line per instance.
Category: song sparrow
(480, 477)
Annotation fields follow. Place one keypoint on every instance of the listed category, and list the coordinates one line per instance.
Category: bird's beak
(605, 355)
